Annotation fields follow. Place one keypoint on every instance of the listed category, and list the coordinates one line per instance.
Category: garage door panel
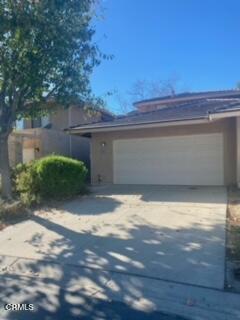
(189, 160)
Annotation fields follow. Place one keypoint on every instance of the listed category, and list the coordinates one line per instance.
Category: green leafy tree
(46, 57)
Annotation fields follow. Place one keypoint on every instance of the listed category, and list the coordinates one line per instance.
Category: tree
(142, 89)
(46, 57)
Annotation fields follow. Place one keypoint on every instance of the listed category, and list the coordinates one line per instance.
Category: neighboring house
(186, 139)
(35, 138)
(63, 118)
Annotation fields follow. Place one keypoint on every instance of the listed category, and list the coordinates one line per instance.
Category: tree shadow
(144, 250)
(99, 267)
(83, 274)
(162, 193)
(84, 308)
(91, 205)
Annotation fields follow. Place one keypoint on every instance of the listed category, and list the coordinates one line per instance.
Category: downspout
(69, 125)
(210, 117)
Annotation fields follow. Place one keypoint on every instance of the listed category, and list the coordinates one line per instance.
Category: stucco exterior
(102, 146)
(64, 118)
(36, 143)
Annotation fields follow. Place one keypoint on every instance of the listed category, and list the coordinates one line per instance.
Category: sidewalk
(52, 287)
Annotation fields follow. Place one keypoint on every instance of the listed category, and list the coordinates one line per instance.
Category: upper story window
(20, 124)
(36, 123)
(45, 121)
(32, 123)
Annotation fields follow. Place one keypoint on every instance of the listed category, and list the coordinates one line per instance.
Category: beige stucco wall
(55, 141)
(14, 149)
(102, 158)
(43, 142)
(64, 118)
(238, 150)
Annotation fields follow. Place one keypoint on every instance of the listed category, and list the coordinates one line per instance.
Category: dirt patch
(233, 241)
(12, 212)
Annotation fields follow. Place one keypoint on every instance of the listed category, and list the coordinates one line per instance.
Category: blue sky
(196, 41)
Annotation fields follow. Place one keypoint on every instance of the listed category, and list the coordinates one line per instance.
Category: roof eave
(225, 113)
(139, 126)
(131, 126)
(176, 99)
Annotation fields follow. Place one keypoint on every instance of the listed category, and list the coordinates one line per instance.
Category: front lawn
(11, 212)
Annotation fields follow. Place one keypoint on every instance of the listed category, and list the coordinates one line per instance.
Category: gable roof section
(188, 96)
(200, 109)
(194, 107)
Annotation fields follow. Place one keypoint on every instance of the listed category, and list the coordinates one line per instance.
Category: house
(35, 138)
(185, 139)
(62, 118)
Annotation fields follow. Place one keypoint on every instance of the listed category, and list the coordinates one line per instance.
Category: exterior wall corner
(238, 151)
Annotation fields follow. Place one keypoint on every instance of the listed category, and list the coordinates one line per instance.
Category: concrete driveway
(170, 233)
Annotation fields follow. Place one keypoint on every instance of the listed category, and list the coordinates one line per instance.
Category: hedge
(51, 177)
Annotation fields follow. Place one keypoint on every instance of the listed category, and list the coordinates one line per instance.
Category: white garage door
(177, 160)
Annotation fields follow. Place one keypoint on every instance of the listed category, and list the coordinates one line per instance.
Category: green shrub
(27, 184)
(18, 173)
(52, 177)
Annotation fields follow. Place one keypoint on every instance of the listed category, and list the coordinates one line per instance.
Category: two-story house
(186, 139)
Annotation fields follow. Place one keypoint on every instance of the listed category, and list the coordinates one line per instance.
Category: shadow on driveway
(91, 309)
(92, 263)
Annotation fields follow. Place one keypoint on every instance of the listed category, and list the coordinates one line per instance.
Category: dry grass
(234, 224)
(12, 212)
(233, 240)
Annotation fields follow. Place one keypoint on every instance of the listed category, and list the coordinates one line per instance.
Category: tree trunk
(6, 187)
